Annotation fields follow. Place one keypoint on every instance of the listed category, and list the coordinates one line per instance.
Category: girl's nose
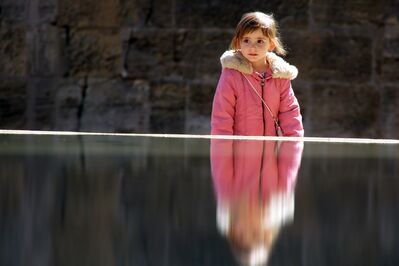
(253, 48)
(252, 45)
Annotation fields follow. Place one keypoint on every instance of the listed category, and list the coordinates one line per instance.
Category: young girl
(254, 94)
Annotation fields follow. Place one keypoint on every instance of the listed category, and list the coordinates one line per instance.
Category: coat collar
(279, 68)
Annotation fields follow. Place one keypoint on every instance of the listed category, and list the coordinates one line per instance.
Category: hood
(279, 67)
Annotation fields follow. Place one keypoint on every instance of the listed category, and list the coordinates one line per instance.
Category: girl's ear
(238, 45)
(272, 45)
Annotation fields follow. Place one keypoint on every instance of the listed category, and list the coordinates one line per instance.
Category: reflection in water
(133, 201)
(70, 200)
(254, 183)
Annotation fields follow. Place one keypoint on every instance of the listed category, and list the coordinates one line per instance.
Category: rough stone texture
(303, 93)
(186, 54)
(346, 51)
(392, 9)
(68, 101)
(206, 57)
(389, 69)
(222, 14)
(199, 108)
(329, 56)
(168, 103)
(41, 103)
(13, 51)
(111, 105)
(13, 103)
(200, 98)
(355, 110)
(390, 45)
(347, 12)
(22, 11)
(44, 51)
(13, 11)
(48, 10)
(148, 53)
(89, 13)
(390, 54)
(142, 13)
(197, 123)
(93, 52)
(390, 118)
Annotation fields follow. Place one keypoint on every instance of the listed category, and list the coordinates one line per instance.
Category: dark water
(87, 200)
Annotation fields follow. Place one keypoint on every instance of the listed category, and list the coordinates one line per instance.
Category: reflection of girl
(254, 185)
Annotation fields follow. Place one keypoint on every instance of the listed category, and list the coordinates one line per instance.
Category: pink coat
(238, 110)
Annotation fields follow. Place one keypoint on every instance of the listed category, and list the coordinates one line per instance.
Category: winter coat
(238, 110)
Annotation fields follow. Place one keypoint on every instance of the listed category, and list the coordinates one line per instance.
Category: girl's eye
(245, 41)
(261, 41)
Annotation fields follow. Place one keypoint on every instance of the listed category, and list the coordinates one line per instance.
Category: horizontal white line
(190, 136)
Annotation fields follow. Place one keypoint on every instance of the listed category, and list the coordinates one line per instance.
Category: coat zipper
(262, 84)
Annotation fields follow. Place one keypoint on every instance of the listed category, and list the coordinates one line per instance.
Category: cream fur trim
(279, 67)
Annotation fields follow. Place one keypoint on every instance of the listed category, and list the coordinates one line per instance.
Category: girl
(254, 94)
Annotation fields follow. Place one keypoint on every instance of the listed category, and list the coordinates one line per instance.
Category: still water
(107, 200)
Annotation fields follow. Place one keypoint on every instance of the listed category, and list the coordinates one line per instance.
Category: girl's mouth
(253, 54)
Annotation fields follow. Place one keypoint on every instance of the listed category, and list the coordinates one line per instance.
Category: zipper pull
(262, 82)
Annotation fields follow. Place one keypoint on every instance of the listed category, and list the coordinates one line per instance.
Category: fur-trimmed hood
(280, 68)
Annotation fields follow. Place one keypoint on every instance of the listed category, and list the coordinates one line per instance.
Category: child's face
(254, 46)
(246, 223)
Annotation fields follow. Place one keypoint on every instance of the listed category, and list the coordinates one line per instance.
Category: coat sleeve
(223, 108)
(289, 113)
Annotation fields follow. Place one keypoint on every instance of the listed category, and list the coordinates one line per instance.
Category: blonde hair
(253, 21)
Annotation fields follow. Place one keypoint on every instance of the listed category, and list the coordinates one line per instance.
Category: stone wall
(152, 66)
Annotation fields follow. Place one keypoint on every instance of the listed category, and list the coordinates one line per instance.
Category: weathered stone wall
(152, 66)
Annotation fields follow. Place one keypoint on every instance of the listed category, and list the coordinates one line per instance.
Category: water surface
(114, 200)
